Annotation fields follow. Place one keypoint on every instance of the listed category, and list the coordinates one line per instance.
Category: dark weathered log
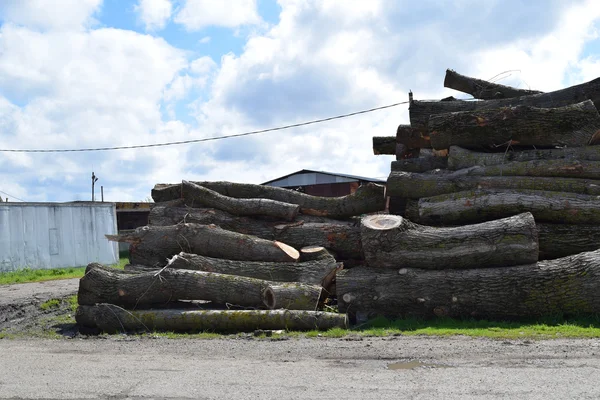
(564, 286)
(558, 240)
(146, 288)
(292, 296)
(367, 198)
(397, 205)
(110, 318)
(542, 168)
(411, 137)
(390, 241)
(414, 186)
(199, 196)
(342, 238)
(460, 158)
(573, 125)
(384, 145)
(421, 164)
(486, 205)
(420, 111)
(153, 245)
(481, 89)
(310, 253)
(312, 272)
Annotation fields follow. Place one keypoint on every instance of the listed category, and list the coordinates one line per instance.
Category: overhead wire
(12, 197)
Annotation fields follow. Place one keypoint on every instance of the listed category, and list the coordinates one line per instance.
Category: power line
(140, 146)
(11, 196)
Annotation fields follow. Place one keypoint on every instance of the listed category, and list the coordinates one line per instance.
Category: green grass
(52, 303)
(38, 275)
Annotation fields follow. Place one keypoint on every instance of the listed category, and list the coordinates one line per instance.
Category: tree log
(481, 89)
(542, 168)
(292, 296)
(110, 318)
(573, 125)
(460, 158)
(420, 111)
(390, 241)
(384, 145)
(421, 164)
(311, 272)
(411, 137)
(564, 286)
(199, 196)
(558, 240)
(153, 245)
(486, 205)
(414, 186)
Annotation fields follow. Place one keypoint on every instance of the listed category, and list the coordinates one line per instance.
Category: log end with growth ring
(382, 222)
(289, 250)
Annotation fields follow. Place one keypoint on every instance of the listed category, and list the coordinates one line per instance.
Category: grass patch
(52, 303)
(38, 275)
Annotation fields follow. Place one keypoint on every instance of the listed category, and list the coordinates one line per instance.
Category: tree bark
(153, 245)
(460, 158)
(542, 168)
(384, 145)
(110, 318)
(311, 253)
(311, 272)
(421, 164)
(411, 137)
(292, 296)
(481, 89)
(420, 111)
(486, 205)
(558, 240)
(414, 186)
(573, 125)
(199, 196)
(568, 285)
(390, 241)
(367, 198)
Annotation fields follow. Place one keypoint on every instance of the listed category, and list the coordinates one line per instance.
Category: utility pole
(102, 193)
(94, 180)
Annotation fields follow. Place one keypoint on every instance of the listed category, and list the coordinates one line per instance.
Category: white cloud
(154, 13)
(50, 14)
(204, 40)
(198, 14)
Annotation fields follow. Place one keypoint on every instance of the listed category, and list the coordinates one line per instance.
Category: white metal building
(56, 235)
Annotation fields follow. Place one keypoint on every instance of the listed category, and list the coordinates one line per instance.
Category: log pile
(230, 257)
(498, 208)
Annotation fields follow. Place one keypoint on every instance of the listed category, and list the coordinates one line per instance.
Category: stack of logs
(225, 257)
(511, 159)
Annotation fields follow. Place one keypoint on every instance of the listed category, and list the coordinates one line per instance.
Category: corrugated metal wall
(56, 235)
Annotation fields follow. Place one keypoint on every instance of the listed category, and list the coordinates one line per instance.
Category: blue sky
(95, 73)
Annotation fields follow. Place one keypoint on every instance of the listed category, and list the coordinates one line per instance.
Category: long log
(414, 185)
(486, 205)
(559, 240)
(384, 145)
(412, 137)
(153, 245)
(311, 272)
(420, 164)
(460, 158)
(542, 168)
(564, 286)
(481, 89)
(390, 241)
(573, 125)
(366, 199)
(420, 111)
(110, 318)
(292, 296)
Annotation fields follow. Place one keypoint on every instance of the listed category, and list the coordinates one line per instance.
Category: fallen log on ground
(412, 137)
(573, 125)
(384, 145)
(559, 240)
(420, 164)
(390, 241)
(366, 199)
(418, 185)
(153, 245)
(292, 296)
(460, 158)
(563, 286)
(542, 168)
(486, 205)
(481, 89)
(312, 272)
(420, 111)
(110, 318)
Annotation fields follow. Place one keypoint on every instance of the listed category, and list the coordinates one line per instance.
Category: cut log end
(289, 250)
(382, 221)
(313, 253)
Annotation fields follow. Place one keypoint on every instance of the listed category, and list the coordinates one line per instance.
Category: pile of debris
(223, 256)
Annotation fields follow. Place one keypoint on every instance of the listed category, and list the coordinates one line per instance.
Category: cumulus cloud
(154, 13)
(50, 14)
(195, 15)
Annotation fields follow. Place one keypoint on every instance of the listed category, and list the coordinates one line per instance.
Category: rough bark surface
(311, 272)
(573, 125)
(460, 158)
(420, 111)
(99, 285)
(367, 198)
(412, 138)
(420, 164)
(558, 240)
(418, 185)
(384, 145)
(199, 196)
(292, 296)
(481, 89)
(153, 245)
(542, 168)
(110, 318)
(390, 241)
(568, 285)
(486, 205)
